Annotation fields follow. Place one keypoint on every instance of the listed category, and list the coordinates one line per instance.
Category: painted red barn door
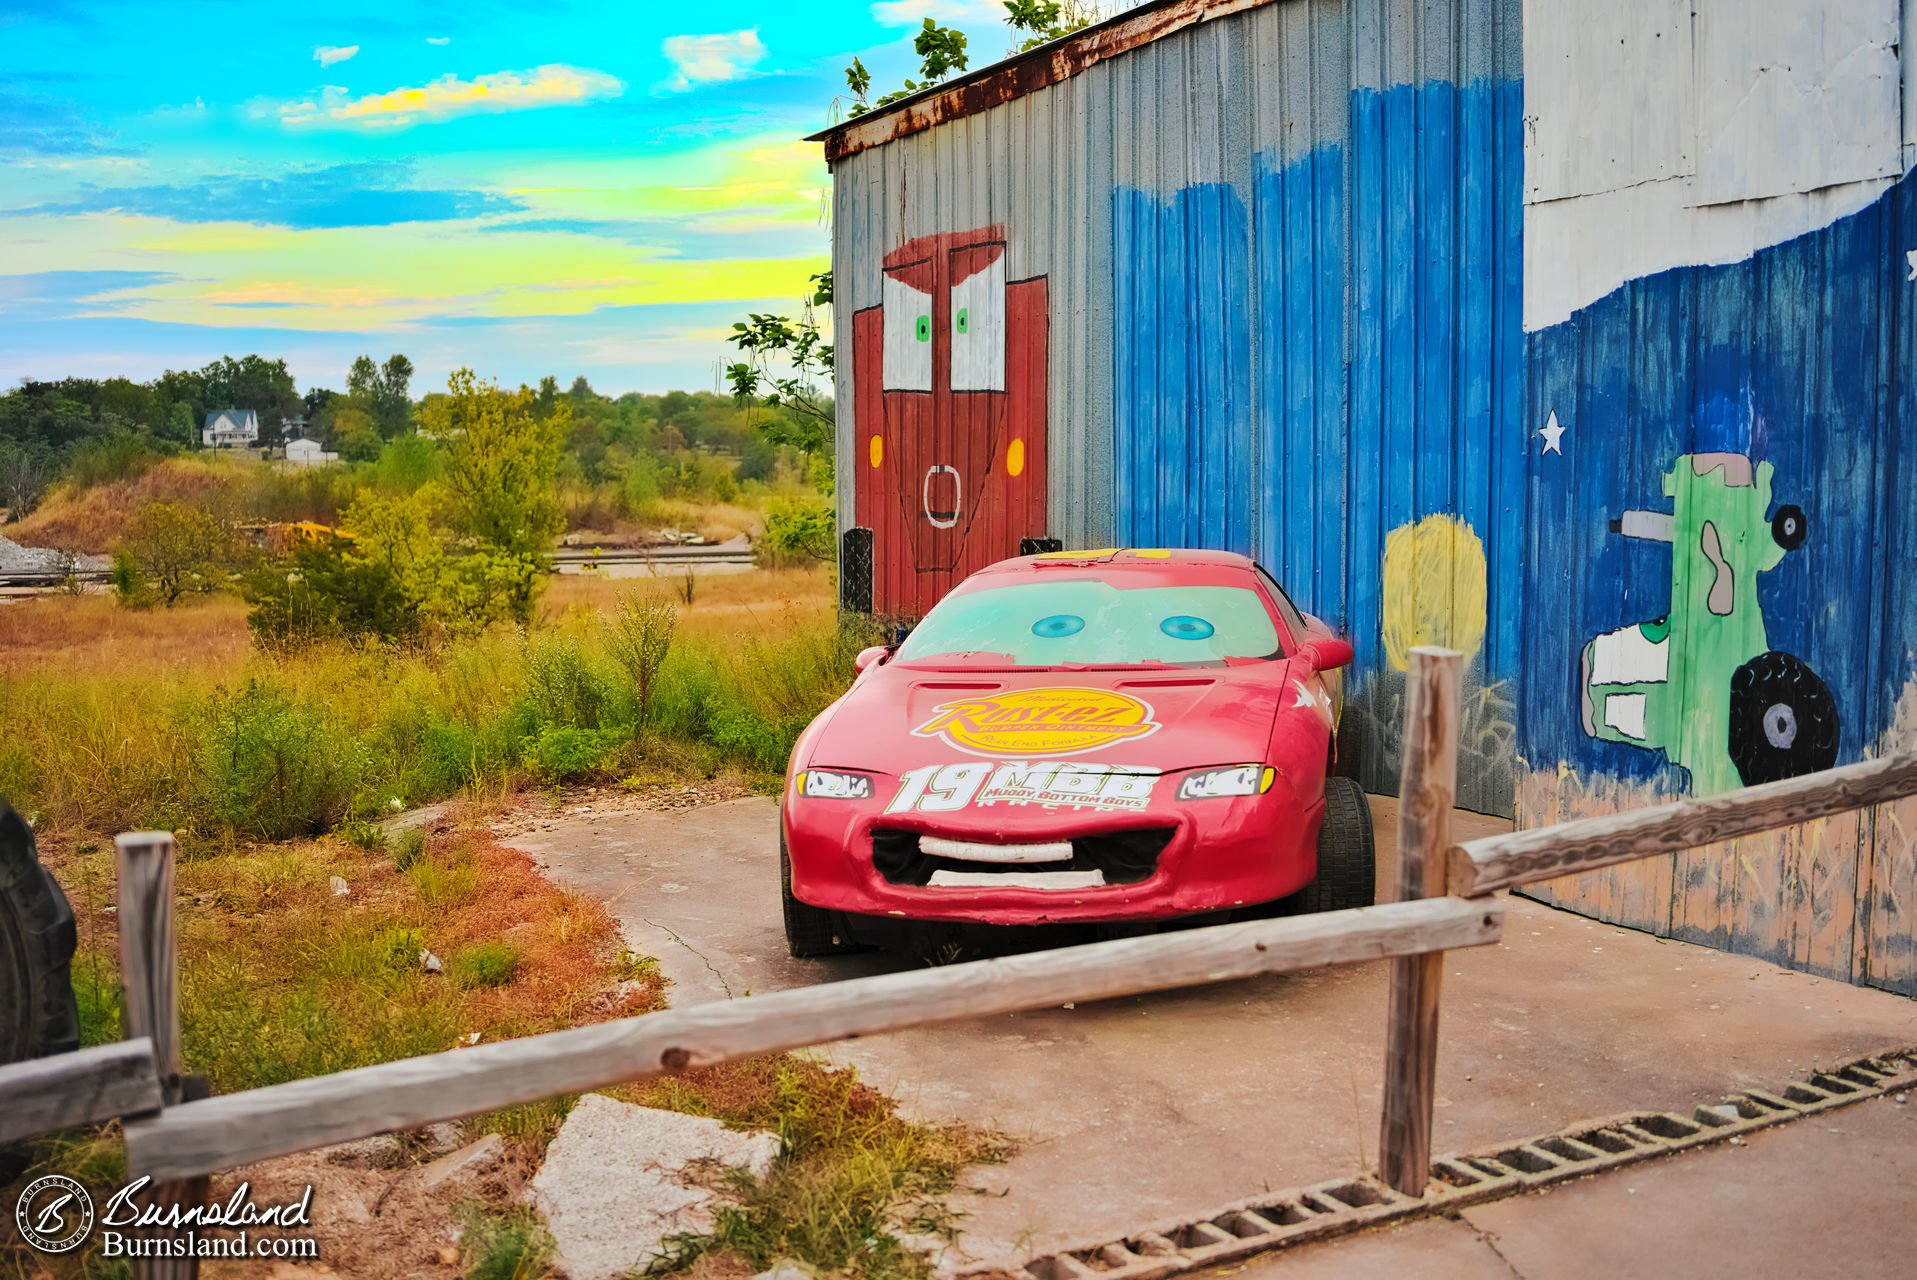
(949, 377)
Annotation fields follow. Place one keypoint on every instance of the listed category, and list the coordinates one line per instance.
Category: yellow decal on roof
(1035, 723)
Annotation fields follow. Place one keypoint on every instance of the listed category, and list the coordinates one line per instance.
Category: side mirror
(1327, 653)
(867, 657)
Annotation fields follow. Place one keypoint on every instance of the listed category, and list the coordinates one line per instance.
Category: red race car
(1114, 736)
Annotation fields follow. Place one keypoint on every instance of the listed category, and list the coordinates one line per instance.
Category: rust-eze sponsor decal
(1030, 723)
(1052, 784)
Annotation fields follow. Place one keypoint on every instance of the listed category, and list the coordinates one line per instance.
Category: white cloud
(910, 13)
(554, 85)
(709, 59)
(439, 39)
(327, 54)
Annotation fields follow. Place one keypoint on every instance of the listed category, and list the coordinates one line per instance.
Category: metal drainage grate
(1335, 1208)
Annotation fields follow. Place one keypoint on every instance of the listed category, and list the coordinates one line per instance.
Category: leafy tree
(801, 530)
(26, 468)
(179, 425)
(253, 382)
(798, 347)
(501, 459)
(942, 50)
(328, 593)
(354, 433)
(177, 549)
(639, 635)
(392, 406)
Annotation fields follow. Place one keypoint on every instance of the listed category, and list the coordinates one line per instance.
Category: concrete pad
(614, 1183)
(1429, 1249)
(1153, 1107)
(1829, 1194)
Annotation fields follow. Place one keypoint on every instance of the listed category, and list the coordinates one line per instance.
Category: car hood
(899, 717)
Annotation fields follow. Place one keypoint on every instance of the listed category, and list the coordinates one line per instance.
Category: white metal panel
(1795, 95)
(1607, 95)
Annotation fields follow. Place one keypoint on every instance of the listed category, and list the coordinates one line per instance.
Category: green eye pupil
(964, 322)
(925, 329)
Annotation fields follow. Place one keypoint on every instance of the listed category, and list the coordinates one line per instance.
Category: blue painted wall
(1379, 287)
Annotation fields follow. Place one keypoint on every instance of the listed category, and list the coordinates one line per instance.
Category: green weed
(489, 964)
(513, 1245)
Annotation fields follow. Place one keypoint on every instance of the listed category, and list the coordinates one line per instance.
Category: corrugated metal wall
(1281, 252)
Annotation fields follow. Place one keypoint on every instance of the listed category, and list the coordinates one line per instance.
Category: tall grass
(265, 746)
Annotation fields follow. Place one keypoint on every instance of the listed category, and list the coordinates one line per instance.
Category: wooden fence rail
(102, 1083)
(1522, 857)
(237, 1128)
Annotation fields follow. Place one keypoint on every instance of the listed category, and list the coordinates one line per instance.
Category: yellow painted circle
(878, 450)
(1015, 457)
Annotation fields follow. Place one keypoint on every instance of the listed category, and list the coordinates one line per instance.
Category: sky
(556, 188)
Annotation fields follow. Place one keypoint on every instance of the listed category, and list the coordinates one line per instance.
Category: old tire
(38, 1015)
(1347, 855)
(1783, 720)
(809, 930)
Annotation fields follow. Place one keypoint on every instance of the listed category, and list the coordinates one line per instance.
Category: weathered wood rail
(1445, 903)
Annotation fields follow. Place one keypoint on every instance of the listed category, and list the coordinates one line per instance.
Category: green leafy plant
(273, 767)
(639, 636)
(177, 549)
(513, 1245)
(489, 964)
(407, 847)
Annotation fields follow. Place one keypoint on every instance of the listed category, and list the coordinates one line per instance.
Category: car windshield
(1088, 620)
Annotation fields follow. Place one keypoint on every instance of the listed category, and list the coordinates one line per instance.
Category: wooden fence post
(148, 969)
(1426, 792)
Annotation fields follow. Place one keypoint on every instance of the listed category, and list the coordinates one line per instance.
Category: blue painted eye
(1182, 627)
(1059, 624)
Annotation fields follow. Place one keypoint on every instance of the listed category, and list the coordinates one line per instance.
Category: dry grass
(94, 519)
(94, 635)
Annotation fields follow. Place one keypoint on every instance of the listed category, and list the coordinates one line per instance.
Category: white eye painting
(978, 330)
(907, 362)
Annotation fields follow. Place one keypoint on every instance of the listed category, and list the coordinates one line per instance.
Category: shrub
(796, 532)
(489, 964)
(560, 753)
(362, 835)
(639, 636)
(118, 455)
(273, 768)
(177, 549)
(326, 593)
(408, 845)
(560, 684)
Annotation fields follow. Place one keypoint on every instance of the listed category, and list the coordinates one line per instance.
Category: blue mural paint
(1182, 368)
(1796, 356)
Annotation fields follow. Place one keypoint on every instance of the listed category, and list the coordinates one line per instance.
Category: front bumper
(1221, 853)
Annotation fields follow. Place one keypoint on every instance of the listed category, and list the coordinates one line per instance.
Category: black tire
(809, 930)
(1783, 720)
(1347, 854)
(38, 1015)
(1349, 753)
(1788, 526)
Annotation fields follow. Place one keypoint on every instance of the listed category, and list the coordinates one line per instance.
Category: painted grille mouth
(1119, 857)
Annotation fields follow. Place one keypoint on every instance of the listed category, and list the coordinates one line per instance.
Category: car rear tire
(809, 930)
(38, 1015)
(1347, 854)
(1783, 720)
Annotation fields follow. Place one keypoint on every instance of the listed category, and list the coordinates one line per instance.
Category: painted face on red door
(953, 432)
(943, 374)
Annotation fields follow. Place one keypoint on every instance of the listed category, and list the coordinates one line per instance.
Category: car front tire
(1347, 853)
(809, 930)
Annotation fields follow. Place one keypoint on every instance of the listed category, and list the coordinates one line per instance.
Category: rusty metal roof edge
(1022, 73)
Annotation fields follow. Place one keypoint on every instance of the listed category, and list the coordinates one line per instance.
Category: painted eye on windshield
(1061, 624)
(1184, 627)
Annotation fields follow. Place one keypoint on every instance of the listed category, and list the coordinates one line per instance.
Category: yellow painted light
(1015, 457)
(877, 449)
(1151, 553)
(1270, 775)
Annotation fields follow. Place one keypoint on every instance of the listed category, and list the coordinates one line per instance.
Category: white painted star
(1553, 435)
(1910, 259)
(1310, 697)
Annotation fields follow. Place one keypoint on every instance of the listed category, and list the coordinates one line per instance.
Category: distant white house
(308, 453)
(230, 428)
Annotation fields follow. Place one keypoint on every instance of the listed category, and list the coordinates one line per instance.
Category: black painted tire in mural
(1788, 528)
(1783, 720)
(38, 1015)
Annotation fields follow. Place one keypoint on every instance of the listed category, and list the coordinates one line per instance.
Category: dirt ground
(1146, 1108)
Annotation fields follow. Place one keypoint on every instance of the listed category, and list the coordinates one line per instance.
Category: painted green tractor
(1702, 683)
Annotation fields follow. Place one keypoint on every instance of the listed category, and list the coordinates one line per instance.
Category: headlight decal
(1233, 780)
(828, 784)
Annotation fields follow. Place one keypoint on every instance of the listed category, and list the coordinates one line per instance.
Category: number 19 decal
(939, 788)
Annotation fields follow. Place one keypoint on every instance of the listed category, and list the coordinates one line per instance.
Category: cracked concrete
(1157, 1107)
